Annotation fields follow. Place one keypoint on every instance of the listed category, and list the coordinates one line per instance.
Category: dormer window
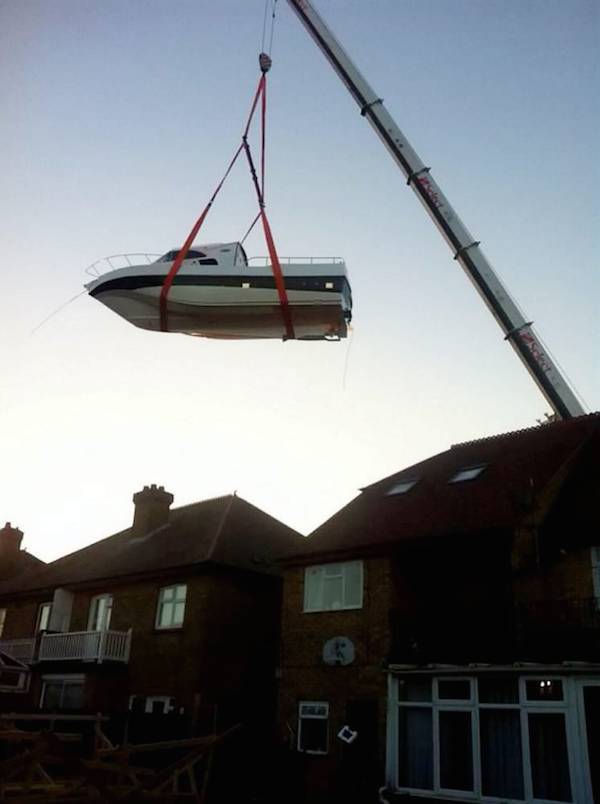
(467, 473)
(402, 486)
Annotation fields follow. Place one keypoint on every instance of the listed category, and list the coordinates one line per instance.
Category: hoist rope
(265, 64)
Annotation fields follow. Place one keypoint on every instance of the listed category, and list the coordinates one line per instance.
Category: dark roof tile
(518, 466)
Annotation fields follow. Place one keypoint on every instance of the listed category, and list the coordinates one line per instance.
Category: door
(362, 773)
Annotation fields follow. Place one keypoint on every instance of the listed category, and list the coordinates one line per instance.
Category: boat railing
(116, 261)
(264, 261)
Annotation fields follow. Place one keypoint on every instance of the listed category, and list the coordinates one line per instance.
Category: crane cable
(260, 94)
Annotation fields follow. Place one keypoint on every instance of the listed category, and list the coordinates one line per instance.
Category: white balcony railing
(22, 649)
(87, 646)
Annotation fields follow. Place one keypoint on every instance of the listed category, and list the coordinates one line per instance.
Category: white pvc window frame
(320, 573)
(171, 598)
(100, 612)
(322, 716)
(571, 707)
(43, 616)
(168, 702)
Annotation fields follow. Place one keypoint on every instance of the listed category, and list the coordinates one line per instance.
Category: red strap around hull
(260, 188)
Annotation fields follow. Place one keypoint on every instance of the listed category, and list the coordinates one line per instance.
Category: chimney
(151, 509)
(10, 550)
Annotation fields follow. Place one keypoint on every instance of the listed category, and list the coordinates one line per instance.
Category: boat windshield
(240, 256)
(170, 256)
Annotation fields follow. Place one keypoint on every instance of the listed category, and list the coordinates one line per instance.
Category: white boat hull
(222, 314)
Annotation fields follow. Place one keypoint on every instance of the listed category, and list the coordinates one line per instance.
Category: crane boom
(517, 330)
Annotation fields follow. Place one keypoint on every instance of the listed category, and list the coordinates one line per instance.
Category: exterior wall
(305, 677)
(224, 654)
(21, 617)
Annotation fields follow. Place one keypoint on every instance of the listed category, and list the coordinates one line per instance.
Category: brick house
(177, 614)
(448, 618)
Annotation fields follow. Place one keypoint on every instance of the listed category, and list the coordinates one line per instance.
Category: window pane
(313, 735)
(168, 593)
(166, 614)
(544, 690)
(414, 689)
(456, 751)
(179, 612)
(498, 690)
(72, 696)
(415, 748)
(181, 592)
(452, 690)
(332, 570)
(44, 616)
(353, 584)
(501, 758)
(333, 593)
(313, 594)
(52, 694)
(549, 760)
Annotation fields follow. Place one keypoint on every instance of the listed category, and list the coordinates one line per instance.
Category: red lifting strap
(275, 264)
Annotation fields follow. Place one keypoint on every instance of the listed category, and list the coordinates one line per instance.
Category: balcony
(21, 649)
(85, 646)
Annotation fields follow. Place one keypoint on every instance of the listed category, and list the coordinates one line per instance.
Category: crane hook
(265, 62)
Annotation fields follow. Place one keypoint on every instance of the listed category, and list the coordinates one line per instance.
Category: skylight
(467, 473)
(402, 486)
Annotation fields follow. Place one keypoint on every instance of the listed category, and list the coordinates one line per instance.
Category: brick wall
(224, 655)
(305, 677)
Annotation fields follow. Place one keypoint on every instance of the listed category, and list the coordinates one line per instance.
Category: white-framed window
(100, 611)
(171, 606)
(159, 704)
(331, 587)
(2, 621)
(62, 692)
(313, 727)
(43, 617)
(493, 738)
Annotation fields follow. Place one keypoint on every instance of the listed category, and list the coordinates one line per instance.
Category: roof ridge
(533, 428)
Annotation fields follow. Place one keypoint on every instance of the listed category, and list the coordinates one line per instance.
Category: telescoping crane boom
(517, 330)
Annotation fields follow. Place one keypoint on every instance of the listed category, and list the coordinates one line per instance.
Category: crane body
(466, 250)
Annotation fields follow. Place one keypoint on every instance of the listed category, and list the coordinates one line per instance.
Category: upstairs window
(100, 611)
(43, 618)
(2, 620)
(467, 473)
(402, 486)
(171, 606)
(330, 587)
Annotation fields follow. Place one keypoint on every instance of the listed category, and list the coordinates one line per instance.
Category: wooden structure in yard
(57, 766)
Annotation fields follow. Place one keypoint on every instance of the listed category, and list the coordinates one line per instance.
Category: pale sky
(118, 118)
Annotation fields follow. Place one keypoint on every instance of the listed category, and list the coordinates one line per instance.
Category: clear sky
(118, 118)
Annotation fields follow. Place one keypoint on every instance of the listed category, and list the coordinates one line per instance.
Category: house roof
(517, 467)
(224, 530)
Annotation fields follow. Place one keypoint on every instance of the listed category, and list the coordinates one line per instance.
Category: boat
(219, 293)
